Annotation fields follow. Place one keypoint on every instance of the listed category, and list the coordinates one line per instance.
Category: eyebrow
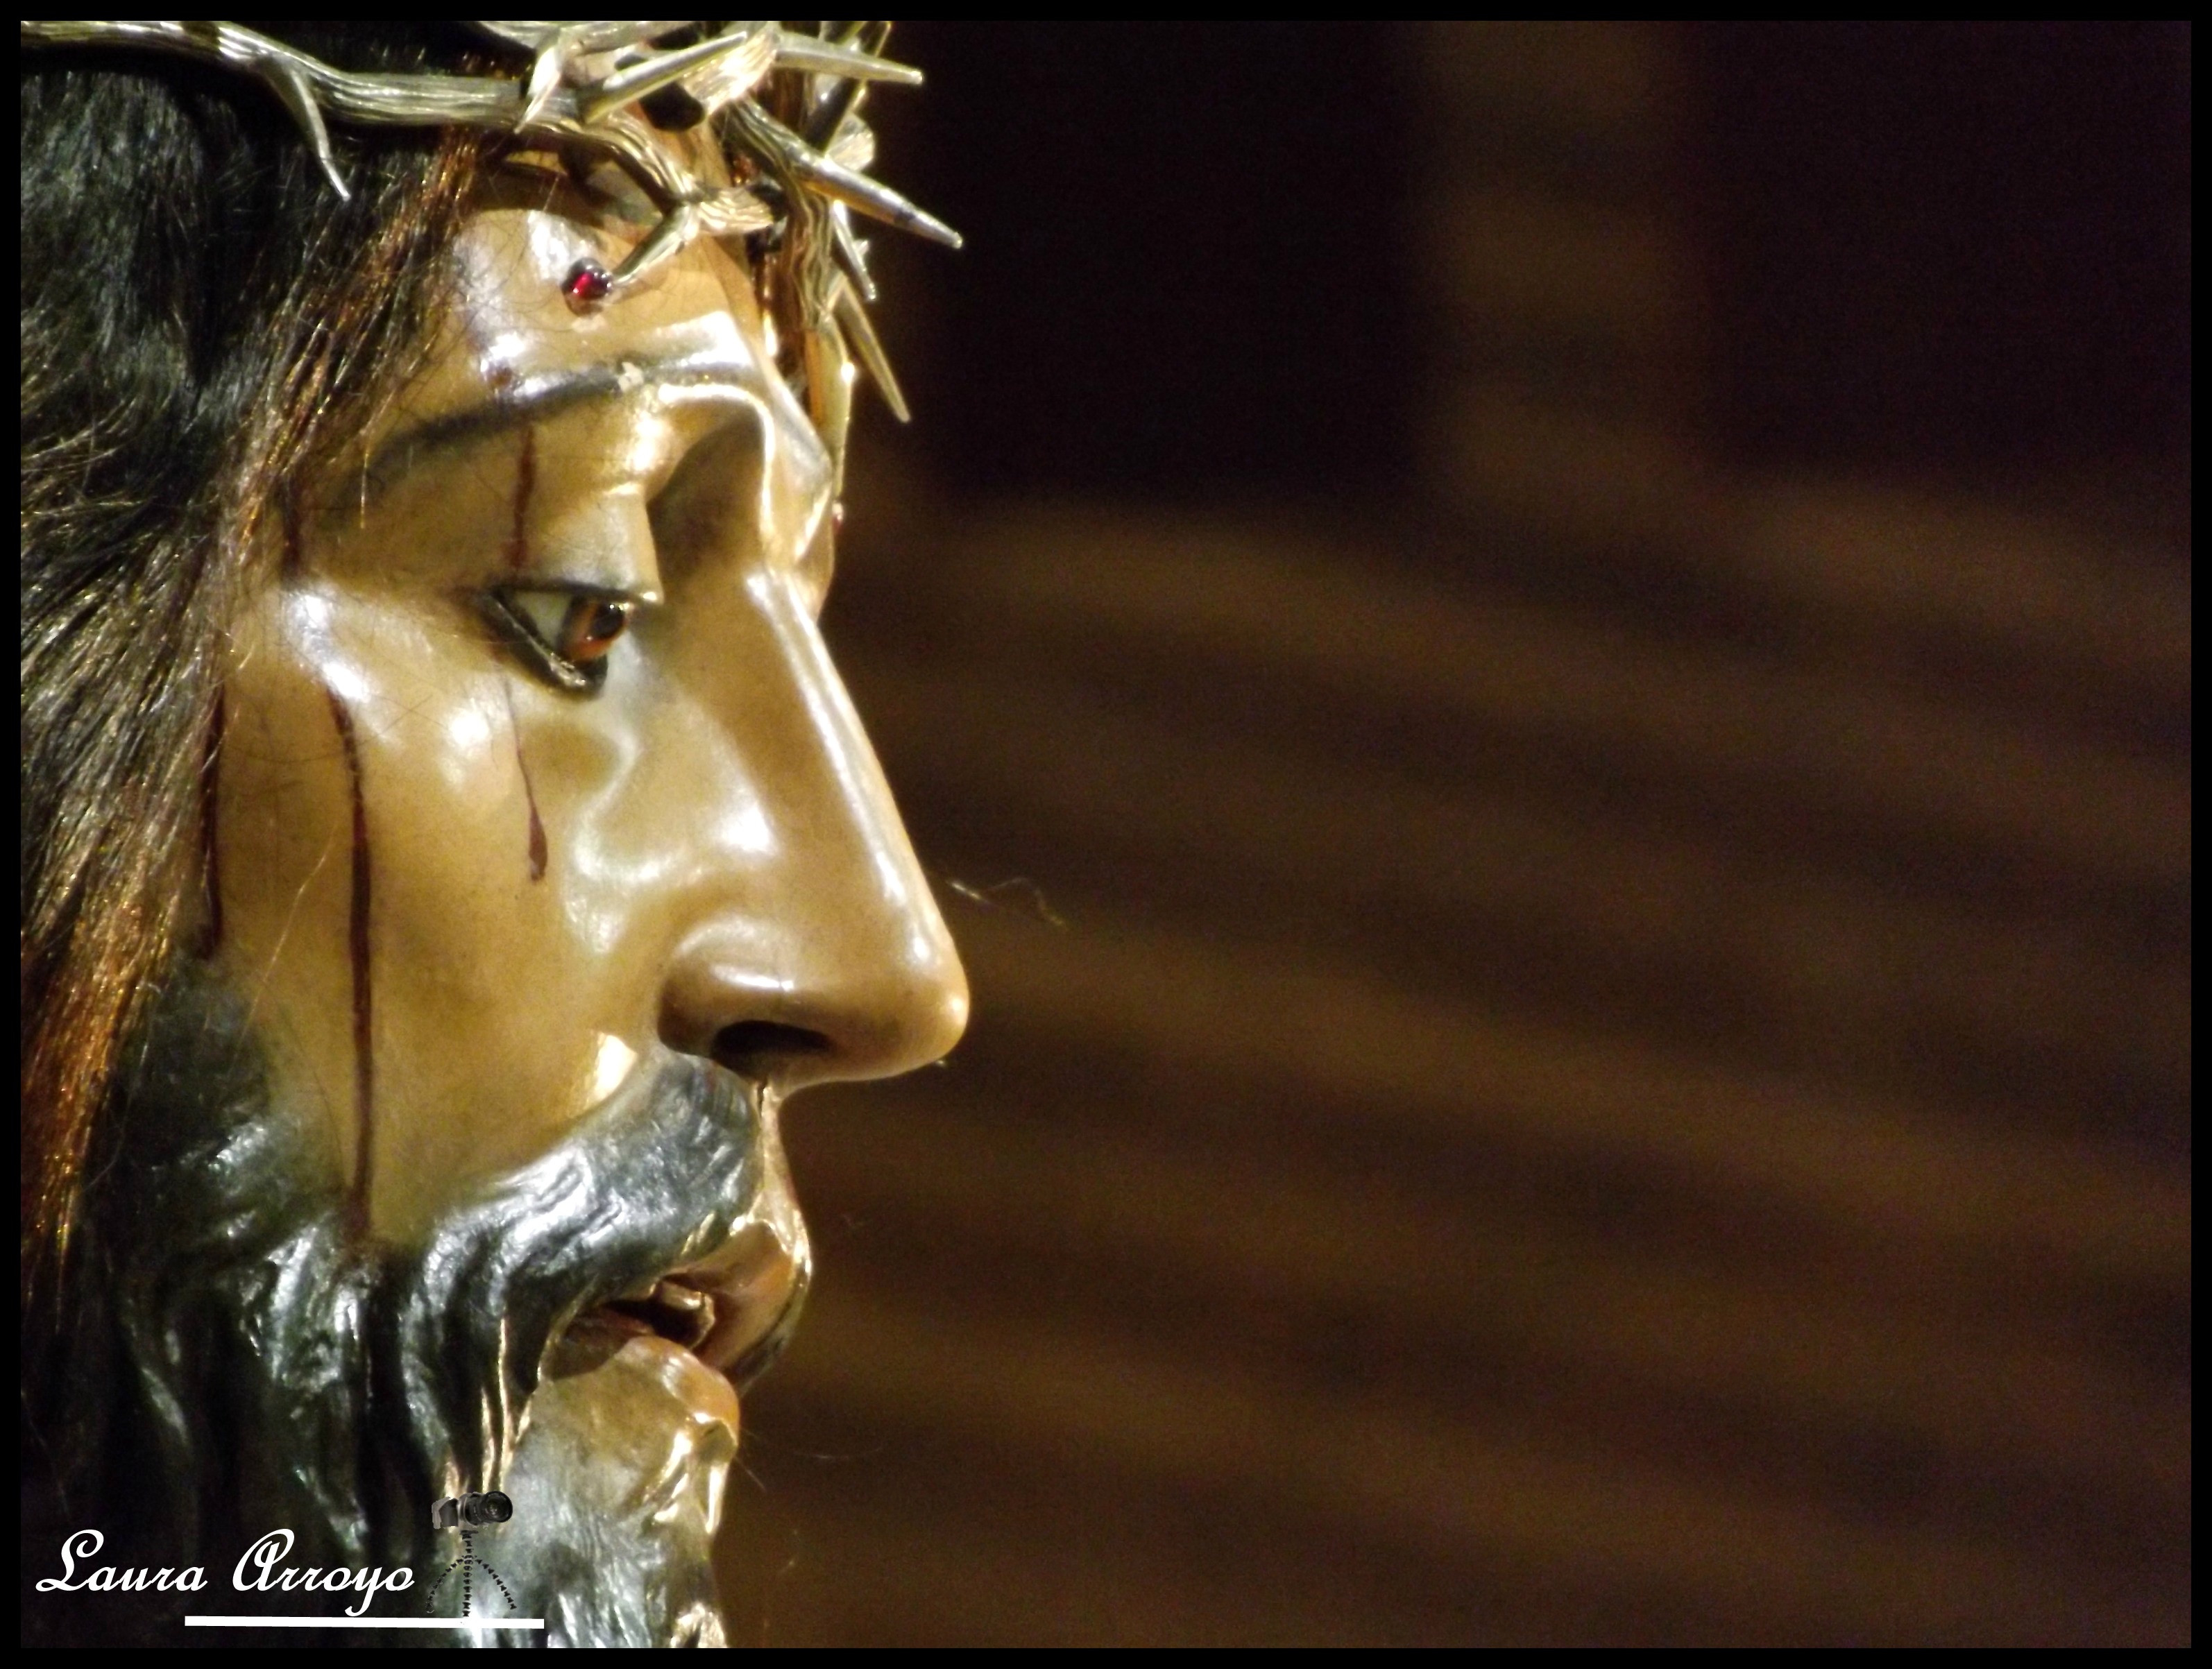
(536, 399)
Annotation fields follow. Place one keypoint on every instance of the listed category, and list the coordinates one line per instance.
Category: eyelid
(554, 583)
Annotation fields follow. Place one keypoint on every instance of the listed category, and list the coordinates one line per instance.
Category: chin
(619, 1484)
(238, 1359)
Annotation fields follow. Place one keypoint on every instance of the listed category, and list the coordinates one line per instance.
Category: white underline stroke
(192, 1621)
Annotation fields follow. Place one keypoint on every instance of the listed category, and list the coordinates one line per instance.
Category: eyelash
(569, 645)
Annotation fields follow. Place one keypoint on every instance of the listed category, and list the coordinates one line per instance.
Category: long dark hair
(198, 307)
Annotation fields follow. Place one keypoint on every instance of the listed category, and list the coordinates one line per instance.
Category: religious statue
(447, 842)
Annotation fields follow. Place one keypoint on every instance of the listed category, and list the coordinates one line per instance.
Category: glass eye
(587, 628)
(564, 635)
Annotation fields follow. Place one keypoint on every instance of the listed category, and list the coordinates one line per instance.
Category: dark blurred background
(1546, 669)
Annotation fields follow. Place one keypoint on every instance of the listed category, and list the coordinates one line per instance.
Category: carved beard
(233, 1359)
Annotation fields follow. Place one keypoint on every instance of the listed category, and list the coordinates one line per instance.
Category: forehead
(508, 331)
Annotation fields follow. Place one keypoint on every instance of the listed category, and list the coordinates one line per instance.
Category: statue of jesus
(448, 844)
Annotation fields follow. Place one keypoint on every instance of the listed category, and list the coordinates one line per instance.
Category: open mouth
(735, 1311)
(731, 1311)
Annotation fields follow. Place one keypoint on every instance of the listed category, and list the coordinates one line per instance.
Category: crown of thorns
(782, 104)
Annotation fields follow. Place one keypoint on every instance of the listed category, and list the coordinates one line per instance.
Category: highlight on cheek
(611, 1066)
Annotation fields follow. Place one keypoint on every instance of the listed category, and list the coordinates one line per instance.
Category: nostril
(754, 1048)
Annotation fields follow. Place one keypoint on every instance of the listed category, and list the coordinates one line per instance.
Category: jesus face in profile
(542, 857)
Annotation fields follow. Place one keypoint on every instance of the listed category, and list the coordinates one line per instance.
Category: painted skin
(466, 902)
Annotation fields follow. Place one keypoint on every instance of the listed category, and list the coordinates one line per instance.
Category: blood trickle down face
(534, 772)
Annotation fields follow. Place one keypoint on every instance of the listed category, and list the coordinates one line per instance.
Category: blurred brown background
(1547, 668)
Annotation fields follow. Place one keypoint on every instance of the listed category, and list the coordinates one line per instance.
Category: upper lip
(736, 1306)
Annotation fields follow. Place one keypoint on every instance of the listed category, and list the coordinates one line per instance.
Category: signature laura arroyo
(258, 1571)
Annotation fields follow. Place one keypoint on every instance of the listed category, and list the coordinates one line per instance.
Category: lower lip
(606, 1339)
(752, 1319)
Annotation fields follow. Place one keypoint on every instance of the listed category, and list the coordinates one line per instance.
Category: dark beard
(231, 1357)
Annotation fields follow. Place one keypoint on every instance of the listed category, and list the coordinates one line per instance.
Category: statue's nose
(820, 954)
(865, 1004)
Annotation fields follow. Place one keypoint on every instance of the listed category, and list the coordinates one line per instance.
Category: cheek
(439, 1016)
(283, 871)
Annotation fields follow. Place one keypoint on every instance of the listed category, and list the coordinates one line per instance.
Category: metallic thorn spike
(852, 254)
(555, 56)
(829, 115)
(734, 77)
(581, 91)
(603, 37)
(382, 101)
(784, 149)
(676, 228)
(544, 81)
(729, 213)
(844, 100)
(860, 332)
(639, 81)
(292, 86)
(824, 59)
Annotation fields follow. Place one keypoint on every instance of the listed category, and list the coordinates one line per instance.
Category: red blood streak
(364, 1057)
(526, 483)
(537, 847)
